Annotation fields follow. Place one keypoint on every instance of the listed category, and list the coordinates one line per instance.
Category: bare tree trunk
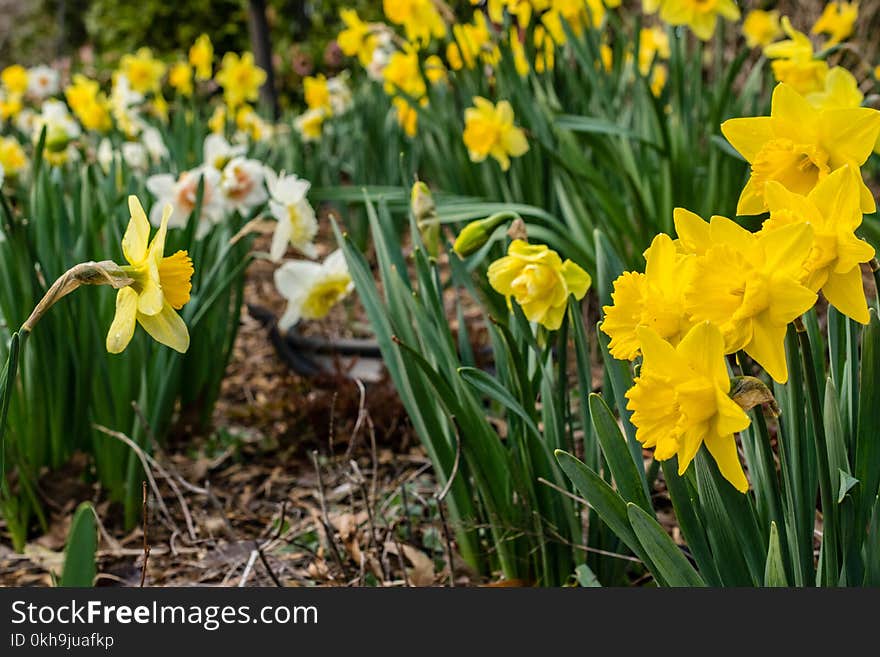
(262, 46)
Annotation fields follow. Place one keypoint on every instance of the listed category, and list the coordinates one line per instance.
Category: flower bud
(421, 203)
(477, 233)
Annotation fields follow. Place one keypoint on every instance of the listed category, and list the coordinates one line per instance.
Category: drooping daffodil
(160, 286)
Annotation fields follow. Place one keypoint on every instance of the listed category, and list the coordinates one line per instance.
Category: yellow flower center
(798, 167)
(755, 297)
(323, 296)
(302, 232)
(703, 6)
(533, 281)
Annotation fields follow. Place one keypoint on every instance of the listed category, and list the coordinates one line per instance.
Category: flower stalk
(106, 272)
(829, 522)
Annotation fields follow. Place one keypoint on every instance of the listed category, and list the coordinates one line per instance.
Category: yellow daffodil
(653, 42)
(201, 57)
(578, 14)
(10, 106)
(180, 77)
(840, 91)
(794, 62)
(654, 299)
(407, 114)
(15, 79)
(161, 286)
(250, 123)
(403, 74)
(832, 210)
(310, 124)
(798, 145)
(144, 72)
(680, 401)
(545, 49)
(837, 21)
(658, 79)
(699, 15)
(88, 103)
(240, 78)
(217, 121)
(316, 92)
(518, 49)
(539, 281)
(607, 56)
(472, 43)
(420, 19)
(435, 71)
(357, 39)
(748, 285)
(761, 28)
(489, 130)
(12, 157)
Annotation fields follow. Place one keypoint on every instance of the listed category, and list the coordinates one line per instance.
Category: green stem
(830, 560)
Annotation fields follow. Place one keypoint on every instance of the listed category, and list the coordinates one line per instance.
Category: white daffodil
(124, 105)
(340, 94)
(153, 142)
(182, 192)
(42, 83)
(61, 130)
(312, 289)
(217, 152)
(296, 222)
(104, 155)
(242, 184)
(135, 156)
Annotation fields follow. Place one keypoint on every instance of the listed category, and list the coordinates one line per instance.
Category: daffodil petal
(122, 328)
(166, 327)
(767, 347)
(846, 292)
(723, 450)
(703, 347)
(134, 242)
(692, 231)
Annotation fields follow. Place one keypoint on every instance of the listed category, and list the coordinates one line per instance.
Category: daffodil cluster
(718, 289)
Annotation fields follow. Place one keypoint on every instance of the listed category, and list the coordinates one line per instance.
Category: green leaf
(82, 543)
(667, 557)
(774, 571)
(868, 437)
(603, 499)
(625, 472)
(598, 126)
(489, 386)
(847, 483)
(586, 577)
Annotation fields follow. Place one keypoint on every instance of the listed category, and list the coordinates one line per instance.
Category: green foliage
(82, 545)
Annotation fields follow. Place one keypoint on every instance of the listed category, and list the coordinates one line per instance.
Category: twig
(564, 492)
(359, 477)
(406, 518)
(400, 556)
(184, 507)
(325, 519)
(146, 543)
(360, 417)
(455, 463)
(248, 568)
(145, 462)
(448, 544)
(266, 565)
